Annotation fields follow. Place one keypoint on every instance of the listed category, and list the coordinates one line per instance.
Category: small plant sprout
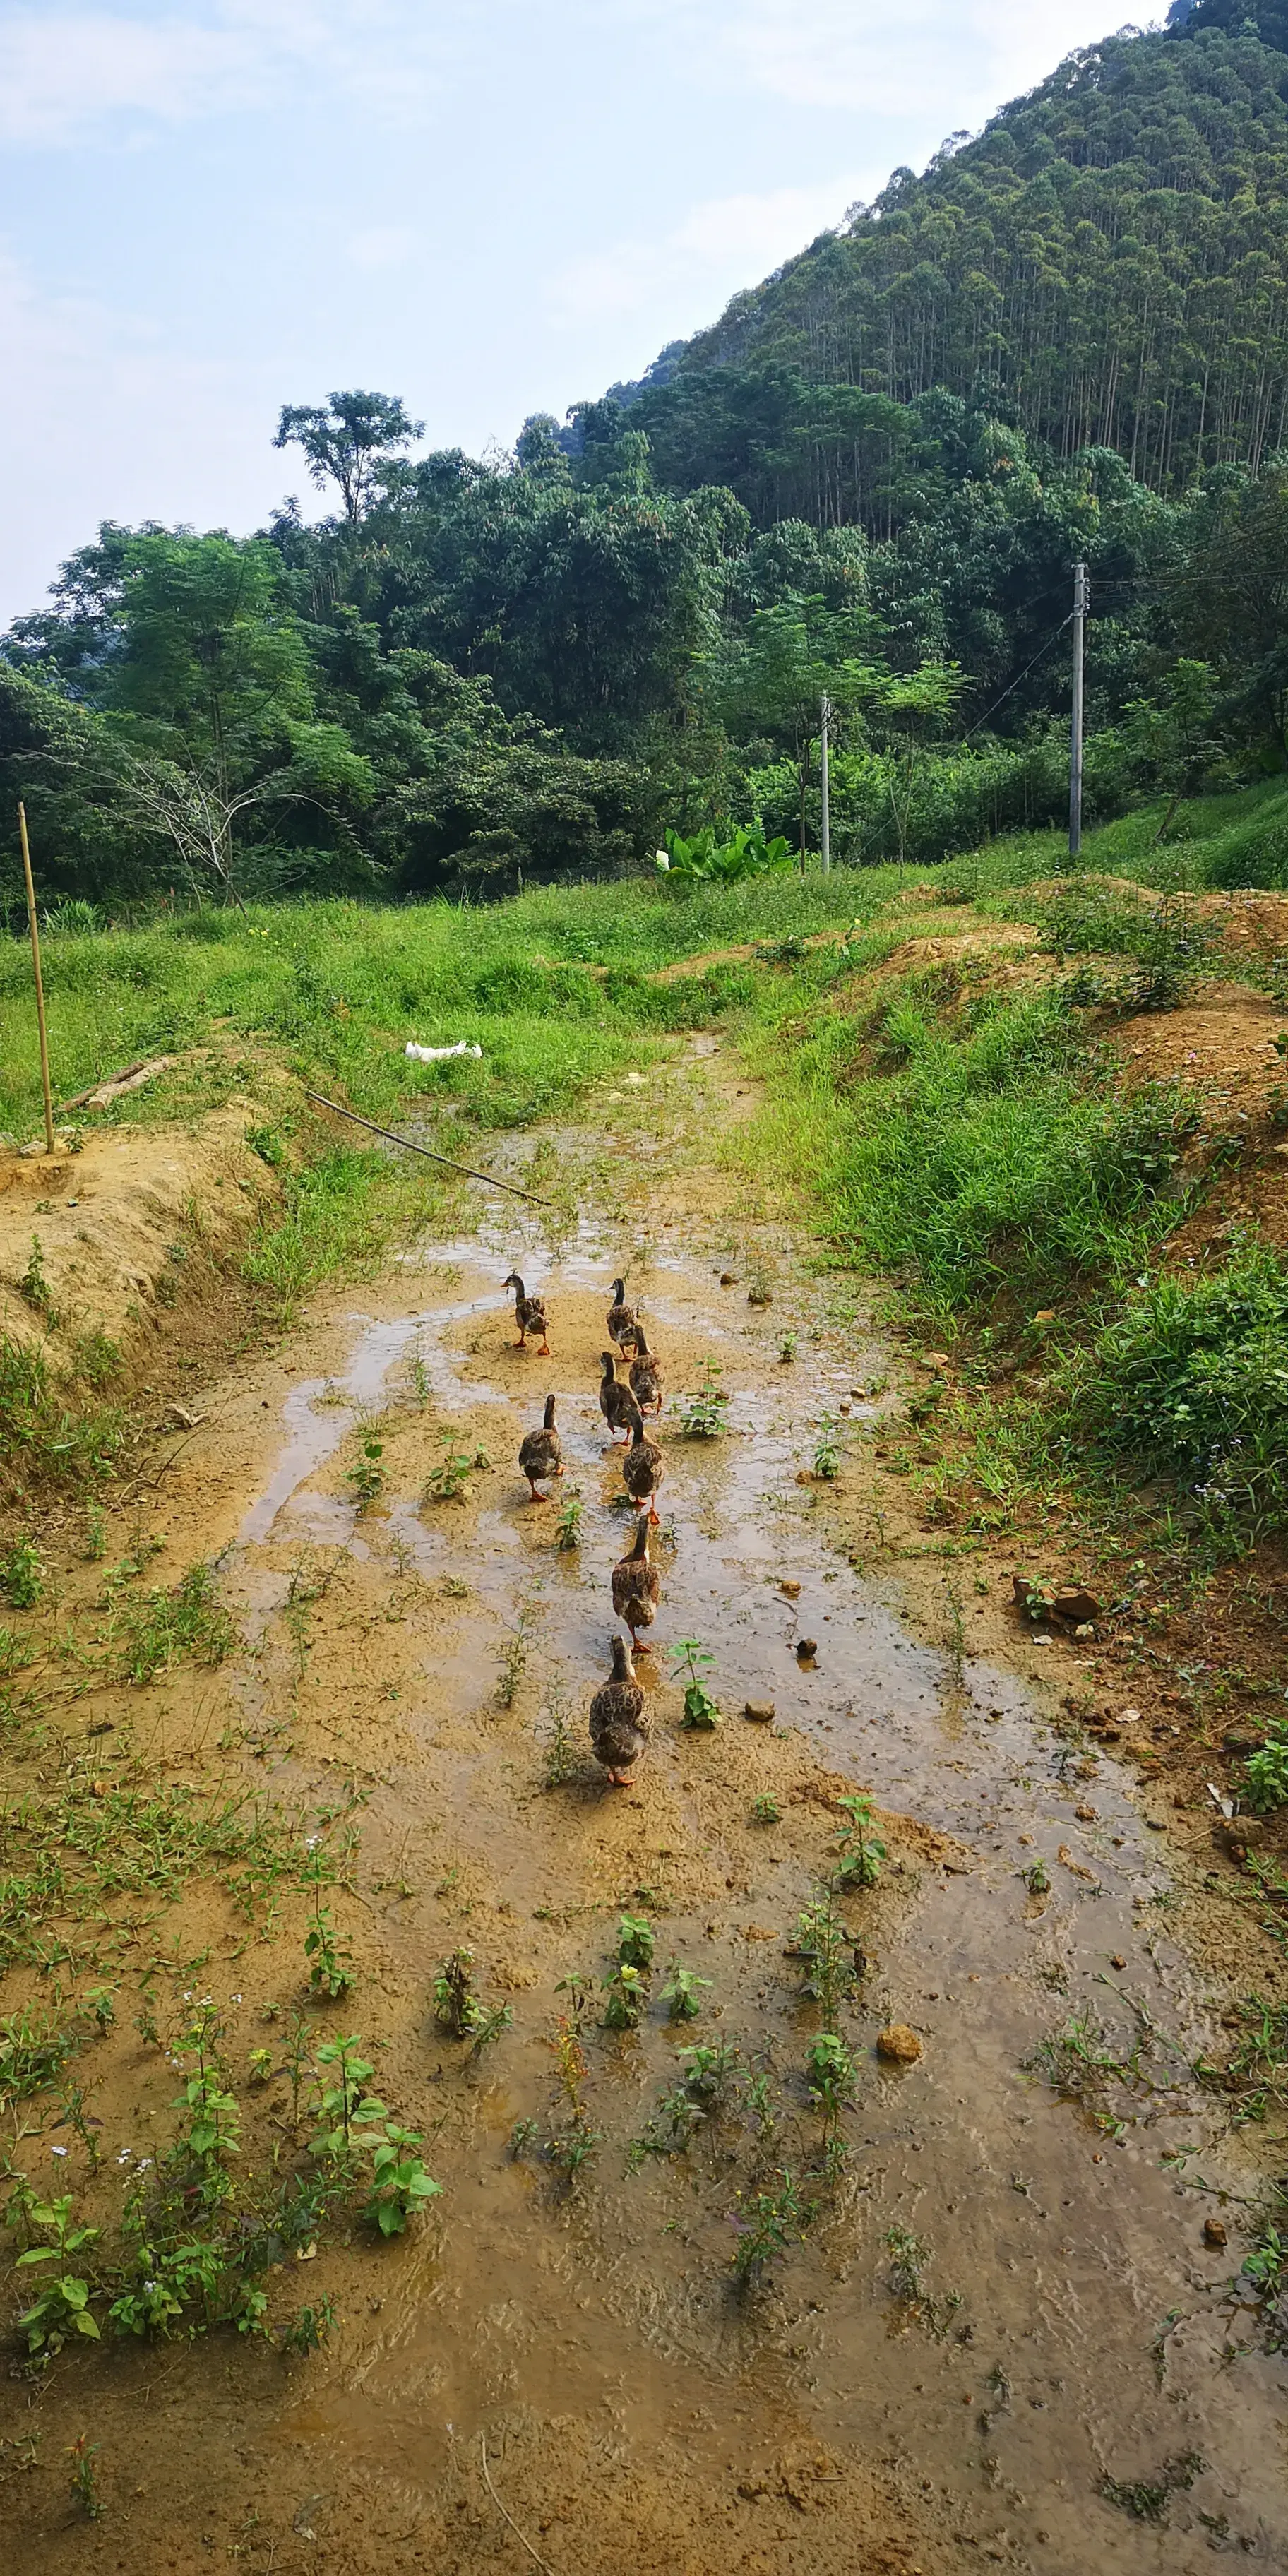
(449, 1481)
(823, 1947)
(766, 1810)
(787, 1349)
(95, 1533)
(33, 1284)
(568, 1524)
(709, 2069)
(765, 2230)
(399, 2182)
(829, 2073)
(22, 1576)
(455, 2001)
(342, 2103)
(1267, 1772)
(704, 1413)
(690, 1656)
(827, 1450)
(682, 1994)
(1035, 1878)
(330, 1959)
(625, 1996)
(82, 2456)
(308, 2329)
(259, 2066)
(636, 1942)
(490, 2021)
(366, 1480)
(862, 1850)
(560, 1757)
(522, 2136)
(62, 2309)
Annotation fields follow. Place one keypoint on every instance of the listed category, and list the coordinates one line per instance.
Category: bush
(1192, 1380)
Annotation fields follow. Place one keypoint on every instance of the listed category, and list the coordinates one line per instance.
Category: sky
(212, 207)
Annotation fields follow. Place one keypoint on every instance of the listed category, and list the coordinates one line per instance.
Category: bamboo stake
(412, 1148)
(40, 988)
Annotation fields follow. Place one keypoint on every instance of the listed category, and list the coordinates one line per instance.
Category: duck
(616, 1402)
(646, 1374)
(622, 1326)
(529, 1315)
(636, 1585)
(642, 1469)
(618, 1726)
(540, 1454)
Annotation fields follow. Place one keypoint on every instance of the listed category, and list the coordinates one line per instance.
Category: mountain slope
(1106, 264)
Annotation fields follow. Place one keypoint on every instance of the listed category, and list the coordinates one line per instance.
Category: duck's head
(623, 1664)
(608, 1363)
(550, 1413)
(619, 1291)
(515, 1282)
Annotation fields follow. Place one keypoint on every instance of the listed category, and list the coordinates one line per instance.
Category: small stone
(34, 1147)
(789, 1590)
(727, 1279)
(1073, 1602)
(1129, 1717)
(938, 1360)
(760, 1711)
(899, 2044)
(1117, 1961)
(1084, 1631)
(1045, 1315)
(1214, 2233)
(1085, 1815)
(806, 1649)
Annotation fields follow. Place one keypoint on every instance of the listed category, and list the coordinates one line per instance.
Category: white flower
(663, 862)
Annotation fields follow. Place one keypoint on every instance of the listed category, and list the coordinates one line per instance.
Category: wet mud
(1065, 2379)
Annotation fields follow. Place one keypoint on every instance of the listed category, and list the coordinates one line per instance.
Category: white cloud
(722, 243)
(65, 69)
(954, 59)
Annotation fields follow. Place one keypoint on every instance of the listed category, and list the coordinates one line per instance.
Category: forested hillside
(1107, 263)
(1068, 340)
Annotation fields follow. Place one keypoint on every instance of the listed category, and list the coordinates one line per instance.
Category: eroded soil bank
(1002, 2336)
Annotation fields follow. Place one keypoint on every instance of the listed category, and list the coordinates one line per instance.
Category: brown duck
(529, 1315)
(622, 1322)
(540, 1454)
(646, 1374)
(636, 1585)
(642, 1469)
(618, 1726)
(616, 1402)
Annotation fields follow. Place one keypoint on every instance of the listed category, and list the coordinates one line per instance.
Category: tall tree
(350, 443)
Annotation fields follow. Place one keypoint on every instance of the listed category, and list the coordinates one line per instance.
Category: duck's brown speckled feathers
(646, 1373)
(616, 1402)
(540, 1454)
(622, 1324)
(643, 1470)
(618, 1726)
(636, 1586)
(529, 1314)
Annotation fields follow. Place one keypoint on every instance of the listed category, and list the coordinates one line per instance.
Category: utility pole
(34, 927)
(1075, 728)
(827, 817)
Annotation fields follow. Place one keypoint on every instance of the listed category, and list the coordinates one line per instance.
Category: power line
(1012, 685)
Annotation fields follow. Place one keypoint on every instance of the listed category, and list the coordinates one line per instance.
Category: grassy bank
(973, 1139)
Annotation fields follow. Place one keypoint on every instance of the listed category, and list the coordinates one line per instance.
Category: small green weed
(636, 1942)
(704, 1413)
(682, 1993)
(862, 1850)
(366, 1480)
(766, 1810)
(690, 1656)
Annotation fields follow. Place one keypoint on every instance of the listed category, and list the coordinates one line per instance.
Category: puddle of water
(1092, 2337)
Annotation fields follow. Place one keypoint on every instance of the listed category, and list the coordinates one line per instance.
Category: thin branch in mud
(508, 2517)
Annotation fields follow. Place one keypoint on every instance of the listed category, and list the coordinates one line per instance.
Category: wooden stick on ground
(40, 989)
(519, 2535)
(412, 1148)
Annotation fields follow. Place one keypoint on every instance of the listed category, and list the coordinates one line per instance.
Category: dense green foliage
(1068, 339)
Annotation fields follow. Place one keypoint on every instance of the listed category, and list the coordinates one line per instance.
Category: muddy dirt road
(1003, 2337)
